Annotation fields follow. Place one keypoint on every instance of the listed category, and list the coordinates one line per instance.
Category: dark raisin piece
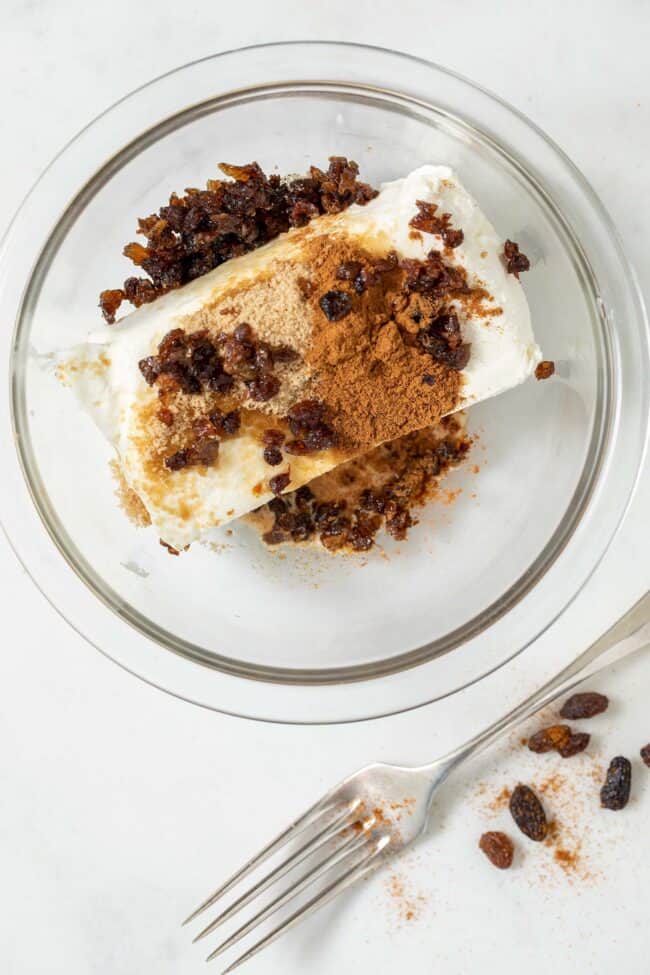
(305, 415)
(398, 521)
(544, 369)
(284, 353)
(109, 302)
(274, 537)
(296, 447)
(166, 416)
(277, 506)
(360, 541)
(231, 423)
(150, 368)
(263, 389)
(302, 527)
(273, 438)
(304, 496)
(528, 813)
(349, 270)
(335, 305)
(428, 379)
(550, 739)
(498, 848)
(615, 793)
(278, 483)
(645, 754)
(273, 456)
(516, 262)
(205, 452)
(452, 237)
(321, 437)
(576, 743)
(243, 333)
(177, 461)
(585, 705)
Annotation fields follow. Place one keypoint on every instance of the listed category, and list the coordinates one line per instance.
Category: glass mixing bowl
(302, 636)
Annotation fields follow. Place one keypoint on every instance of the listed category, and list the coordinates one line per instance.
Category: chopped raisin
(426, 219)
(177, 461)
(278, 483)
(335, 305)
(516, 262)
(199, 231)
(544, 369)
(428, 379)
(109, 302)
(585, 705)
(231, 422)
(645, 754)
(528, 813)
(263, 389)
(273, 438)
(615, 793)
(304, 496)
(498, 848)
(273, 456)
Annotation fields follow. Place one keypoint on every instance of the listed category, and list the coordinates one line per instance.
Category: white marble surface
(119, 805)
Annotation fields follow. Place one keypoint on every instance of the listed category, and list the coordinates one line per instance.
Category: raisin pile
(194, 362)
(197, 232)
(300, 515)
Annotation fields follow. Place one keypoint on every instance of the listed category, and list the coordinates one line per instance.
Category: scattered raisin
(615, 792)
(528, 813)
(516, 262)
(550, 739)
(498, 848)
(645, 754)
(428, 379)
(278, 483)
(273, 456)
(585, 705)
(576, 743)
(335, 305)
(544, 369)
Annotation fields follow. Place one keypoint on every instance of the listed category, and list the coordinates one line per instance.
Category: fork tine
(316, 842)
(337, 887)
(343, 853)
(312, 815)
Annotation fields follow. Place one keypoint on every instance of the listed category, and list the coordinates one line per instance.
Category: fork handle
(629, 634)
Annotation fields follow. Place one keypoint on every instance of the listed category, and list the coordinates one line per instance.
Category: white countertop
(121, 805)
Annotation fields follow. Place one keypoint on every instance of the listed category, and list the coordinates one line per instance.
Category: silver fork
(362, 821)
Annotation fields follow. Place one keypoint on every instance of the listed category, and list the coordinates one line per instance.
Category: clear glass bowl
(304, 636)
